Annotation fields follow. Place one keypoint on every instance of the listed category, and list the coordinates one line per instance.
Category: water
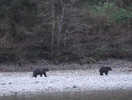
(87, 95)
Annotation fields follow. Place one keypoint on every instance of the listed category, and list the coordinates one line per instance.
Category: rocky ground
(17, 83)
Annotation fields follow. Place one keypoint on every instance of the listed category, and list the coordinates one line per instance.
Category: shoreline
(63, 81)
(82, 95)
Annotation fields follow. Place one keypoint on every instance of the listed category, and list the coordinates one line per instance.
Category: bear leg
(101, 73)
(41, 74)
(106, 73)
(45, 74)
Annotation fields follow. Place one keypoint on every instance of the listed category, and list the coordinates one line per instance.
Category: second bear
(105, 70)
(40, 71)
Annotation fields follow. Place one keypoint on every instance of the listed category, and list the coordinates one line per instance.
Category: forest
(80, 31)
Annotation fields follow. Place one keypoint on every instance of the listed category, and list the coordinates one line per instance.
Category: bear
(105, 70)
(40, 71)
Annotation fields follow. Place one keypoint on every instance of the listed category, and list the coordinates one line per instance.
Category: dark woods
(65, 30)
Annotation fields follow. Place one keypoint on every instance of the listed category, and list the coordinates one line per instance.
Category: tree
(124, 3)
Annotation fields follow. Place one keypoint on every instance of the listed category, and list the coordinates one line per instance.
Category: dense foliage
(65, 30)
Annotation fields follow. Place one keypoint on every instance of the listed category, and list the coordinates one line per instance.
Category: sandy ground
(63, 81)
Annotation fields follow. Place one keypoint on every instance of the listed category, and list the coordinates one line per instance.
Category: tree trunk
(53, 27)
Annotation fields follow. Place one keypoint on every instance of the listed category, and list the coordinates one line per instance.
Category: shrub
(112, 12)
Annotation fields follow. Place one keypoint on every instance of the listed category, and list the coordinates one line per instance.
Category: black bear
(105, 70)
(40, 71)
